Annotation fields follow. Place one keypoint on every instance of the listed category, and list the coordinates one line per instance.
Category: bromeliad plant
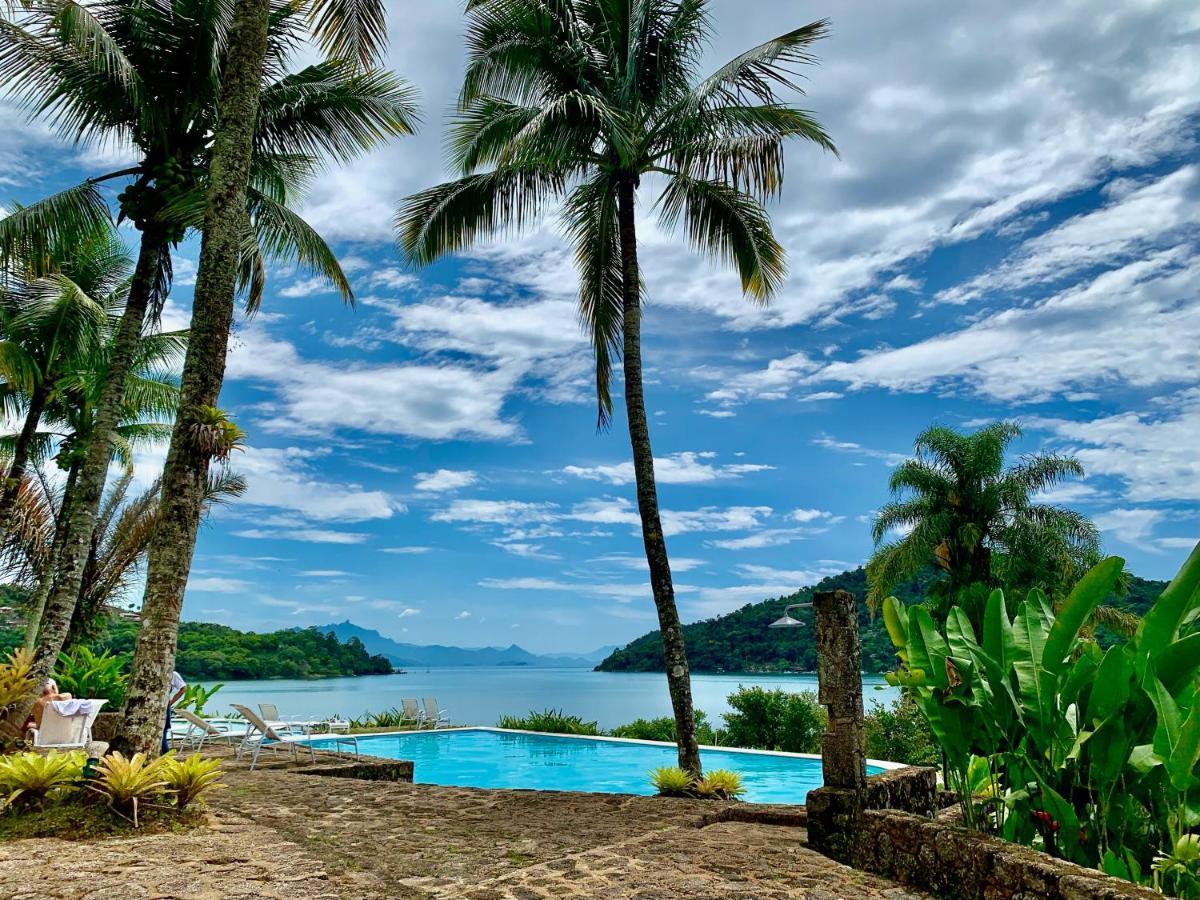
(129, 782)
(1092, 755)
(29, 778)
(719, 784)
(191, 776)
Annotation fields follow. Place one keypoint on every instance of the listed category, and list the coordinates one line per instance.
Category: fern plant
(31, 777)
(190, 777)
(128, 782)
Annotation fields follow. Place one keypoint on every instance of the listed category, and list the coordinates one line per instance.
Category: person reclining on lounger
(50, 692)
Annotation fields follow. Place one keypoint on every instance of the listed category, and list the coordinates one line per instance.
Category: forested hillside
(740, 641)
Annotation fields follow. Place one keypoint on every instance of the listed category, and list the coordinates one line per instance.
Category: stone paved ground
(287, 835)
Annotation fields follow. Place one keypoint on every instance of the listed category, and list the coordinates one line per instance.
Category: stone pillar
(835, 810)
(839, 674)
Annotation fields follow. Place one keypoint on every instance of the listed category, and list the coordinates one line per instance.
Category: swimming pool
(498, 758)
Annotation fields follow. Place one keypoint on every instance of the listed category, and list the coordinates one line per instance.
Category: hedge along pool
(499, 758)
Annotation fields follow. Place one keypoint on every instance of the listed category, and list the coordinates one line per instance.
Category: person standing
(174, 692)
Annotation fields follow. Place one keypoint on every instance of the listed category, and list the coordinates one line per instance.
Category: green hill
(740, 641)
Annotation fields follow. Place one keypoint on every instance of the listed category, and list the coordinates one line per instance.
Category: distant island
(432, 656)
(209, 652)
(740, 641)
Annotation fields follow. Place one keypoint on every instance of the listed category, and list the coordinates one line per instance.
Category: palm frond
(60, 220)
(350, 29)
(730, 226)
(761, 71)
(281, 234)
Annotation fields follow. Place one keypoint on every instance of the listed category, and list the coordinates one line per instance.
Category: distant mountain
(438, 655)
(740, 641)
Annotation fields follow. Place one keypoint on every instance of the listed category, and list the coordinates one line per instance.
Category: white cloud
(217, 585)
(1130, 526)
(525, 550)
(809, 515)
(408, 612)
(463, 615)
(286, 478)
(325, 573)
(406, 551)
(306, 535)
(495, 512)
(444, 480)
(678, 468)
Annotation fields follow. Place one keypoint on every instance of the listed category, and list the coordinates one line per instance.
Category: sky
(1012, 231)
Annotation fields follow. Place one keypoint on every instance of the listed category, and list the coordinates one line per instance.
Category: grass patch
(519, 859)
(73, 821)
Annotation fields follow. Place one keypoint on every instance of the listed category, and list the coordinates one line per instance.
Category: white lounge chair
(411, 713)
(434, 717)
(259, 732)
(72, 731)
(270, 714)
(201, 730)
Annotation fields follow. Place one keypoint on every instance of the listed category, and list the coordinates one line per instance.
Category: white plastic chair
(260, 732)
(434, 717)
(73, 732)
(200, 730)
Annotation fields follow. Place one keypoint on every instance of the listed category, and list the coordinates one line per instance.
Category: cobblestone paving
(281, 835)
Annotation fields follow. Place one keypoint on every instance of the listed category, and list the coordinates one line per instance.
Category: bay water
(480, 696)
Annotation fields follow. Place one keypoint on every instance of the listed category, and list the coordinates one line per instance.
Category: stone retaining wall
(961, 864)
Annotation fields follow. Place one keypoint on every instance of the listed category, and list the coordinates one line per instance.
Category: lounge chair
(200, 730)
(259, 732)
(411, 713)
(67, 725)
(434, 717)
(270, 714)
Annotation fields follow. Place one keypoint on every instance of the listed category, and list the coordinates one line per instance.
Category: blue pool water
(486, 758)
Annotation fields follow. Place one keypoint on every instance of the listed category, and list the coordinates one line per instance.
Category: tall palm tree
(306, 112)
(149, 74)
(52, 314)
(577, 100)
(960, 508)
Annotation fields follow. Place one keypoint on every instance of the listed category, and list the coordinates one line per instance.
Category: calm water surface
(479, 696)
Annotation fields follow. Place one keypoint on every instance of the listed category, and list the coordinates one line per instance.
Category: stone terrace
(282, 834)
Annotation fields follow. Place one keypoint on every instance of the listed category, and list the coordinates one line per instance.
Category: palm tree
(118, 547)
(577, 100)
(308, 113)
(52, 314)
(149, 74)
(959, 508)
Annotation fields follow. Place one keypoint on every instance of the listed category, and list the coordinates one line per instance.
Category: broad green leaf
(997, 631)
(960, 635)
(1113, 684)
(1143, 758)
(1161, 623)
(895, 619)
(1166, 731)
(1186, 753)
(1178, 663)
(1086, 596)
(927, 648)
(1035, 685)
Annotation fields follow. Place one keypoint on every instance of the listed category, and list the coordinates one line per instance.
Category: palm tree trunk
(20, 460)
(89, 486)
(185, 475)
(46, 576)
(678, 680)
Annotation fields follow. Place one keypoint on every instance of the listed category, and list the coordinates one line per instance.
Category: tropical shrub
(388, 718)
(552, 721)
(1091, 755)
(900, 733)
(196, 696)
(31, 777)
(663, 729)
(720, 784)
(100, 676)
(191, 776)
(774, 720)
(17, 682)
(128, 782)
(671, 781)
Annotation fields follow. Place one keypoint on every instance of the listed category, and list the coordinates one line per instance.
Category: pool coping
(886, 765)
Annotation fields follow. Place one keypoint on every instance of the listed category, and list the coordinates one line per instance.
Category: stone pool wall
(365, 769)
(891, 830)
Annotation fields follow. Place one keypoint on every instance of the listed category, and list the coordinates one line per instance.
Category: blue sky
(1011, 232)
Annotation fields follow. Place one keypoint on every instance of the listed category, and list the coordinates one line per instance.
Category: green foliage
(1092, 755)
(196, 696)
(720, 784)
(671, 781)
(900, 733)
(100, 676)
(127, 782)
(32, 777)
(663, 729)
(17, 683)
(774, 720)
(388, 718)
(740, 641)
(961, 509)
(211, 652)
(551, 721)
(191, 776)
